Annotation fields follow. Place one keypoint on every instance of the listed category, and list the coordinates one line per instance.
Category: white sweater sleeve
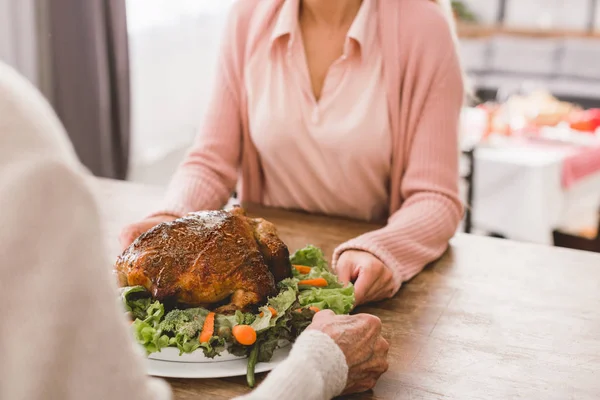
(315, 370)
(62, 334)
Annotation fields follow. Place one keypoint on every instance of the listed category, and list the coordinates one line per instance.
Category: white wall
(557, 14)
(486, 11)
(18, 33)
(548, 14)
(173, 50)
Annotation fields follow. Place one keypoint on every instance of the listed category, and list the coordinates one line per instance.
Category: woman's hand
(131, 232)
(373, 281)
(359, 338)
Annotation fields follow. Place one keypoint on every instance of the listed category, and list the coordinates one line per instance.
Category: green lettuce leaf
(224, 325)
(152, 339)
(184, 343)
(154, 313)
(313, 257)
(136, 299)
(269, 340)
(281, 303)
(262, 323)
(339, 300)
(213, 347)
(300, 320)
(289, 283)
(239, 350)
(309, 256)
(138, 307)
(127, 292)
(332, 279)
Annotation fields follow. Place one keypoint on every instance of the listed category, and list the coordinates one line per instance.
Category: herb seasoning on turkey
(219, 281)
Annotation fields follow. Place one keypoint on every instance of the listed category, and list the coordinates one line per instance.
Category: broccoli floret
(188, 322)
(172, 320)
(191, 328)
(244, 318)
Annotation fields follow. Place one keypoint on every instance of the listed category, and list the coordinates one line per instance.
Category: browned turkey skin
(206, 258)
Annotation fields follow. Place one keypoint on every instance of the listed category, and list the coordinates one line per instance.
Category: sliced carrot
(244, 334)
(273, 312)
(313, 308)
(303, 269)
(208, 329)
(318, 282)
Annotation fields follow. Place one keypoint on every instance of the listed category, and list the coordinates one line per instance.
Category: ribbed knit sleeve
(419, 231)
(208, 175)
(315, 370)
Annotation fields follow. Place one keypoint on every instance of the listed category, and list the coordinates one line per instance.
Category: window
(173, 50)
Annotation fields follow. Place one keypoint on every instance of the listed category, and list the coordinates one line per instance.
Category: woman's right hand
(131, 232)
(359, 338)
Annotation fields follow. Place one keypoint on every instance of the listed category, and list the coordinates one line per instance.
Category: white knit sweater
(62, 333)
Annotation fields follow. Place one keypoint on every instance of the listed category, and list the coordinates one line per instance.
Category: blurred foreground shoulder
(28, 122)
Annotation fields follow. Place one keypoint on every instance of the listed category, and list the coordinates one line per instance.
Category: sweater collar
(359, 39)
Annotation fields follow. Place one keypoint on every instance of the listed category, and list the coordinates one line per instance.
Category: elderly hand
(131, 232)
(359, 338)
(373, 281)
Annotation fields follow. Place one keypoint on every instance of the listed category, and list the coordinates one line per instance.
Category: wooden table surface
(476, 31)
(492, 319)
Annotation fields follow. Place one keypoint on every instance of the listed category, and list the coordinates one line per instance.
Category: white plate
(223, 369)
(172, 354)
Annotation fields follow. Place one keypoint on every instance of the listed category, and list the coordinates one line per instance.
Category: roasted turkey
(214, 259)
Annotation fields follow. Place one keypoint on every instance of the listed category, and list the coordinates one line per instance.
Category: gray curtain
(89, 75)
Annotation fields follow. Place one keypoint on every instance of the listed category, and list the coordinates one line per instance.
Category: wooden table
(475, 31)
(492, 319)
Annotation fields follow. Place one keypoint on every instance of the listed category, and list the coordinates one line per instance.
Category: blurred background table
(530, 179)
(519, 193)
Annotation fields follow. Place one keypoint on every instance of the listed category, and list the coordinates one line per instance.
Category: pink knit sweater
(425, 94)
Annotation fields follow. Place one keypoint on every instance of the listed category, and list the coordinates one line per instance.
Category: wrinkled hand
(359, 337)
(373, 281)
(131, 232)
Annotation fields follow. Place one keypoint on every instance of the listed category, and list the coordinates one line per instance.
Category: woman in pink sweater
(341, 107)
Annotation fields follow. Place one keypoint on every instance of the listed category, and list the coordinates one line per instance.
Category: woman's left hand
(373, 281)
